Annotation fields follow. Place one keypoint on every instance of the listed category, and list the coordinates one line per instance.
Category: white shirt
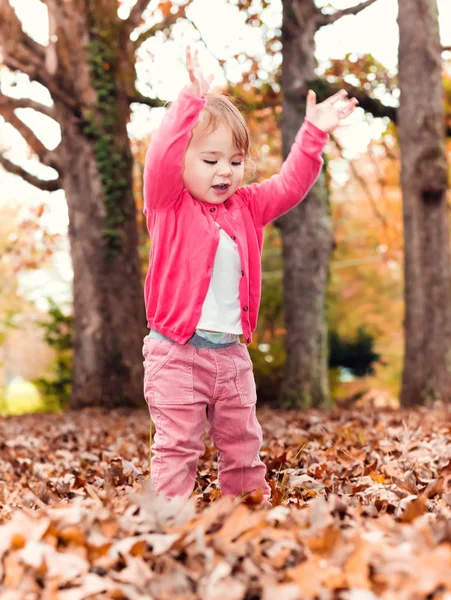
(221, 310)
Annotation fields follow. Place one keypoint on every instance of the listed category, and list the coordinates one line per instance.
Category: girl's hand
(326, 115)
(199, 84)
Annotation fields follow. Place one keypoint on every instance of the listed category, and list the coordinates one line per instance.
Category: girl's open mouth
(221, 188)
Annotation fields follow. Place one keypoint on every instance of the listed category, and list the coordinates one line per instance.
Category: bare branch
(22, 53)
(48, 157)
(152, 102)
(170, 20)
(370, 105)
(325, 19)
(49, 111)
(35, 144)
(136, 14)
(47, 186)
(221, 61)
(364, 184)
(16, 43)
(55, 91)
(7, 108)
(53, 159)
(446, 49)
(324, 89)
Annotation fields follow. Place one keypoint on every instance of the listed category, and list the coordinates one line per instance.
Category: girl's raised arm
(275, 196)
(163, 171)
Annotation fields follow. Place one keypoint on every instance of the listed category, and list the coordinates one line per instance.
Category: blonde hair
(221, 108)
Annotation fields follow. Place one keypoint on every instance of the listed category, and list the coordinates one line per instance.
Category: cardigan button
(248, 340)
(242, 273)
(233, 238)
(245, 308)
(212, 209)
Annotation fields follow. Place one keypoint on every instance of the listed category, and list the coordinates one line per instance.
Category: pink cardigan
(183, 233)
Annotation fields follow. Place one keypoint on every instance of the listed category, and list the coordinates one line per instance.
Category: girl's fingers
(311, 98)
(196, 59)
(347, 106)
(196, 76)
(189, 58)
(189, 64)
(350, 107)
(345, 112)
(337, 97)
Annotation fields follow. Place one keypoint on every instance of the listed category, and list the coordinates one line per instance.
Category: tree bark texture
(108, 299)
(306, 230)
(89, 70)
(424, 178)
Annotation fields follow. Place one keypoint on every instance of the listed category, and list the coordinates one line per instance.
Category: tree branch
(35, 144)
(47, 186)
(446, 49)
(136, 14)
(366, 188)
(167, 22)
(22, 53)
(7, 111)
(370, 105)
(49, 111)
(35, 75)
(325, 19)
(152, 102)
(16, 43)
(46, 156)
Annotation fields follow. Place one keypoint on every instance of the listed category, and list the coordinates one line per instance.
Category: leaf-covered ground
(361, 510)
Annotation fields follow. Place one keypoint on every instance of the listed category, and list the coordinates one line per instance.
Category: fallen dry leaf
(361, 511)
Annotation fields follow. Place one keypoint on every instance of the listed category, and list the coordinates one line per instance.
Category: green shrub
(357, 356)
(59, 336)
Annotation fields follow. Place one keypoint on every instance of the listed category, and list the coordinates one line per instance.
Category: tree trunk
(109, 313)
(427, 270)
(306, 231)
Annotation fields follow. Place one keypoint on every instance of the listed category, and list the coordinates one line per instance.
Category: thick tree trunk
(306, 231)
(427, 361)
(108, 299)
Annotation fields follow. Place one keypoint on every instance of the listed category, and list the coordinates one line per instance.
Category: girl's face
(213, 167)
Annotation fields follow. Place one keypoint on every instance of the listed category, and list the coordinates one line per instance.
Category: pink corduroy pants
(183, 387)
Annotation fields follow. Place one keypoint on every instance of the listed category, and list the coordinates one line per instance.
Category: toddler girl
(202, 289)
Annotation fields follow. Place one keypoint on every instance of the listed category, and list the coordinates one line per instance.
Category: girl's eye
(213, 162)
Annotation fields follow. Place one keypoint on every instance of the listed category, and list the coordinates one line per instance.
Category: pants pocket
(245, 381)
(156, 354)
(168, 372)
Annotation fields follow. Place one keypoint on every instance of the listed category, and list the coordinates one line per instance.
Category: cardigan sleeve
(163, 170)
(275, 196)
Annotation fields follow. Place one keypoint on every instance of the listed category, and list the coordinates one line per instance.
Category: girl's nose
(224, 169)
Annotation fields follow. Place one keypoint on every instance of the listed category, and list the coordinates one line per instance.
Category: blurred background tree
(424, 182)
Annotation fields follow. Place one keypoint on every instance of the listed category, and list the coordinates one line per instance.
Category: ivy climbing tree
(88, 67)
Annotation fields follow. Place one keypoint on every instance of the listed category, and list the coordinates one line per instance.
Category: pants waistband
(195, 340)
